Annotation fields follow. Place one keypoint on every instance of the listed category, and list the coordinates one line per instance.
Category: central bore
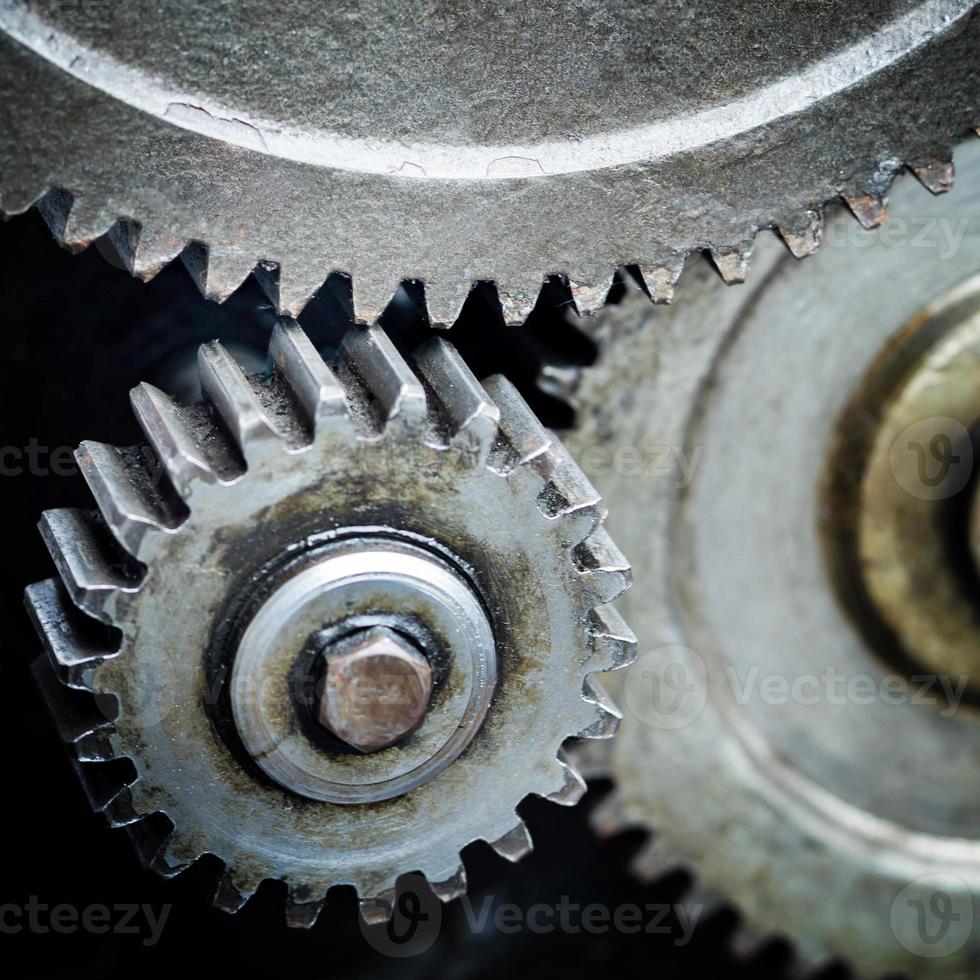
(901, 520)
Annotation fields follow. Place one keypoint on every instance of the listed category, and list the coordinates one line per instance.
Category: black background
(78, 333)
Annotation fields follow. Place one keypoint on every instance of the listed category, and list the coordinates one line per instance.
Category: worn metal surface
(450, 143)
(794, 768)
(376, 690)
(248, 491)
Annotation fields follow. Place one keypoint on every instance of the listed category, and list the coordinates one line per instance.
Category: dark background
(79, 333)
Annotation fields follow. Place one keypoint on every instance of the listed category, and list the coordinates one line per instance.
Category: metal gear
(504, 142)
(770, 442)
(428, 518)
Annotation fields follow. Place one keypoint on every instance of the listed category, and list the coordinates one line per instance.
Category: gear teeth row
(370, 387)
(76, 222)
(80, 723)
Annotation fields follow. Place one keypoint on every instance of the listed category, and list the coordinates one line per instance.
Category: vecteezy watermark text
(125, 919)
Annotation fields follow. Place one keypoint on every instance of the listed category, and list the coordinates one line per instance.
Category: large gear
(801, 729)
(428, 520)
(502, 142)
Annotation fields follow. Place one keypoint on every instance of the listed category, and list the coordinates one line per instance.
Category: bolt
(376, 689)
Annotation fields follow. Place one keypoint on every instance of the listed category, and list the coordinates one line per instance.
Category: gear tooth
(74, 642)
(450, 887)
(155, 250)
(301, 911)
(870, 210)
(377, 909)
(517, 300)
(606, 719)
(369, 298)
(289, 291)
(319, 393)
(88, 559)
(444, 301)
(106, 785)
(230, 894)
(124, 492)
(55, 208)
(472, 417)
(613, 643)
(375, 370)
(171, 438)
(217, 273)
(86, 223)
(515, 844)
(236, 402)
(569, 496)
(732, 262)
(659, 281)
(521, 437)
(150, 837)
(609, 816)
(573, 785)
(603, 567)
(123, 236)
(804, 239)
(76, 714)
(936, 175)
(654, 860)
(590, 297)
(17, 200)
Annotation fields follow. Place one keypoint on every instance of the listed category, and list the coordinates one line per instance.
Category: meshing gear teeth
(236, 500)
(169, 129)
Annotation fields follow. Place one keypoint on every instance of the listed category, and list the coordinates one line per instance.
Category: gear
(260, 585)
(801, 728)
(504, 142)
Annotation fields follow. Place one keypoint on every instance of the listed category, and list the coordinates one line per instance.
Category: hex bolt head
(376, 689)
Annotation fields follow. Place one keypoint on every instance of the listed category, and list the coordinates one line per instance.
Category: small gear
(340, 620)
(502, 143)
(801, 729)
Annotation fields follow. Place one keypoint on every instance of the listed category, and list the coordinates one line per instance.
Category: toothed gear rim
(267, 471)
(503, 142)
(824, 823)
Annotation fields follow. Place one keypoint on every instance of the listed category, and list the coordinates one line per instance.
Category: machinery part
(451, 145)
(306, 522)
(777, 746)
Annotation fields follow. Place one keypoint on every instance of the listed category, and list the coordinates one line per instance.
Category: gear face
(451, 145)
(346, 617)
(801, 727)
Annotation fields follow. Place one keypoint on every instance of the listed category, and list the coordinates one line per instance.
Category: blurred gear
(801, 729)
(341, 621)
(452, 144)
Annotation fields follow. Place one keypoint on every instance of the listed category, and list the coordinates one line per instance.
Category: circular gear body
(323, 533)
(507, 142)
(786, 731)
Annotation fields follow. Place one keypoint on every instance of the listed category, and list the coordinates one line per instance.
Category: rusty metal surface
(246, 491)
(448, 144)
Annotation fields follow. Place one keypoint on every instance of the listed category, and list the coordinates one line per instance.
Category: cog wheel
(451, 146)
(801, 729)
(340, 620)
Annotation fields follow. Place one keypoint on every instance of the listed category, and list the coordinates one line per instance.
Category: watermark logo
(129, 919)
(414, 924)
(667, 688)
(933, 916)
(932, 459)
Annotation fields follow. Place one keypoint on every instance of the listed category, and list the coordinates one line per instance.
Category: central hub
(904, 541)
(381, 641)
(376, 689)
